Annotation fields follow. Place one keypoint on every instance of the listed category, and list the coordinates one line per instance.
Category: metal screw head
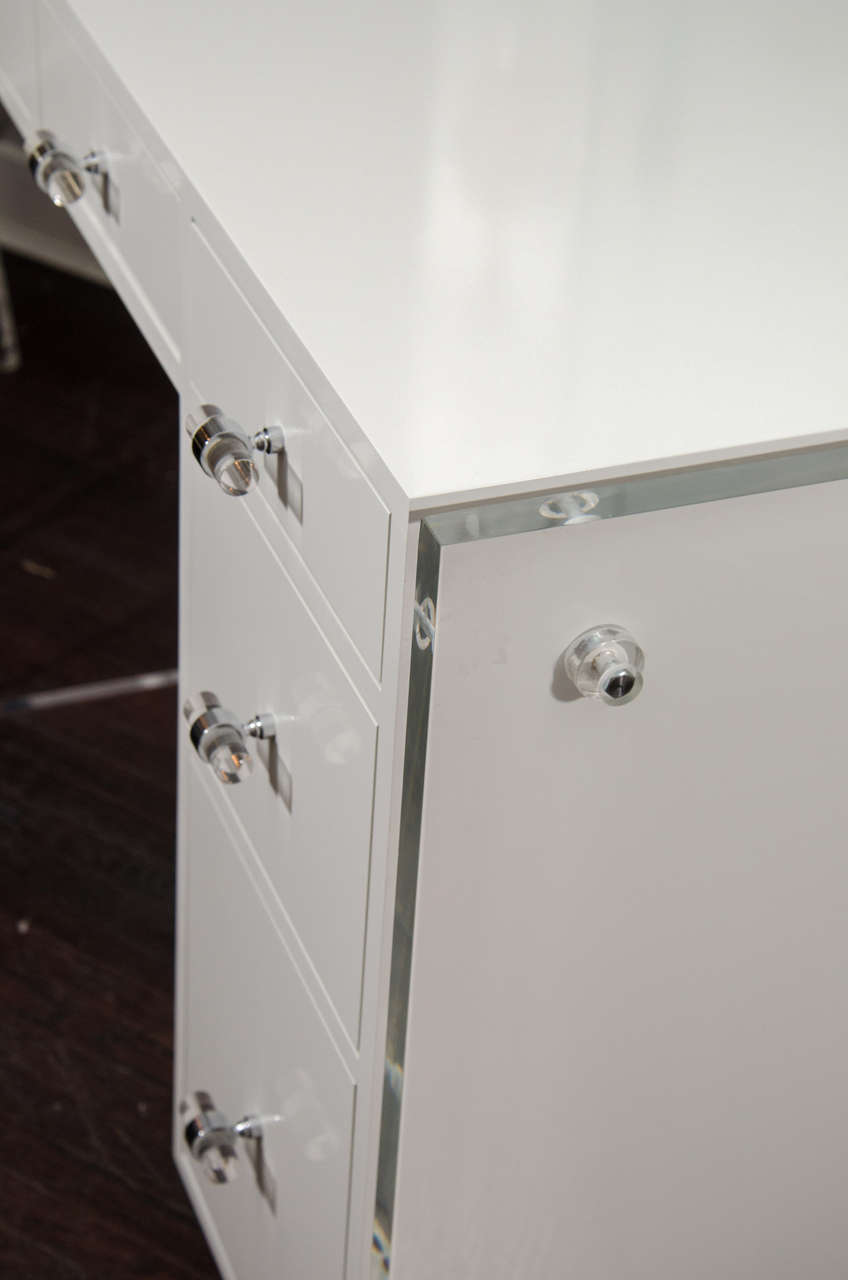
(619, 686)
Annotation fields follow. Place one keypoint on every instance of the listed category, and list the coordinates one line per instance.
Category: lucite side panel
(609, 499)
(421, 668)
(624, 1051)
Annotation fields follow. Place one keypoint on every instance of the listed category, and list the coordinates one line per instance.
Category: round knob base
(606, 663)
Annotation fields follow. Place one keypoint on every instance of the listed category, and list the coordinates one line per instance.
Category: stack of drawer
(275, 870)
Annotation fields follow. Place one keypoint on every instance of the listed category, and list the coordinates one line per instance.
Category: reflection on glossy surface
(229, 758)
(303, 1111)
(324, 717)
(530, 240)
(570, 508)
(234, 470)
(615, 262)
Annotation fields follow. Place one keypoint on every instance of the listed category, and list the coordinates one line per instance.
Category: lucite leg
(10, 351)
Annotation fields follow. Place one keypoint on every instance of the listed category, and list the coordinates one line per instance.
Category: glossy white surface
(307, 808)
(526, 240)
(627, 1052)
(19, 62)
(252, 1038)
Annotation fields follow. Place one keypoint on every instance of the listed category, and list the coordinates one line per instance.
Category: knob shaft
(606, 663)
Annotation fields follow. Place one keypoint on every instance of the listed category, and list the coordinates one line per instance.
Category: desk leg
(10, 351)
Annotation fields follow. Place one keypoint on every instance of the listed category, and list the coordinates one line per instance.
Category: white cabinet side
(627, 1046)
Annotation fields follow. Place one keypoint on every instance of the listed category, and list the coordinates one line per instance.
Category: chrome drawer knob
(225, 451)
(212, 1140)
(606, 663)
(56, 171)
(220, 737)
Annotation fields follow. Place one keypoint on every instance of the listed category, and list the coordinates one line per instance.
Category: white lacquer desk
(513, 336)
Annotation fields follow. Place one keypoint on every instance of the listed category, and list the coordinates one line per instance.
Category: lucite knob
(212, 1139)
(56, 171)
(606, 663)
(220, 737)
(225, 450)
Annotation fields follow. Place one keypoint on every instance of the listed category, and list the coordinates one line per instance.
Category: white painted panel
(131, 222)
(252, 1038)
(71, 97)
(19, 62)
(307, 808)
(316, 490)
(628, 1041)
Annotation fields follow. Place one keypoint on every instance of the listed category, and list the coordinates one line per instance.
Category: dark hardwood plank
(88, 530)
(88, 562)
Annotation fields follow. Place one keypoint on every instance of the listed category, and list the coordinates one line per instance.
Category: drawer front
(130, 219)
(307, 808)
(250, 1036)
(19, 62)
(640, 910)
(320, 499)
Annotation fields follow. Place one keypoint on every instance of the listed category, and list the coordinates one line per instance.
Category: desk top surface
(526, 240)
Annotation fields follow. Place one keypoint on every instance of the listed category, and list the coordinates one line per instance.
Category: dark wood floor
(88, 555)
